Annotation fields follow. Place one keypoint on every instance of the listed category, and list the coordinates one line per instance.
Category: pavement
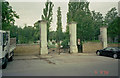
(62, 65)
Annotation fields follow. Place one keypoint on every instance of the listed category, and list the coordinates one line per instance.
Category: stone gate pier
(43, 37)
(73, 36)
(103, 34)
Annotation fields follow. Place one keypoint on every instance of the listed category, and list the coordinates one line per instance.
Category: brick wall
(25, 49)
(28, 49)
(113, 45)
(89, 47)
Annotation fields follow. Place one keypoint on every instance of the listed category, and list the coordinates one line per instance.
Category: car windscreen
(108, 48)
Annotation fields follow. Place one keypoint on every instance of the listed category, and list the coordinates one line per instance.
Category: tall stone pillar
(43, 37)
(103, 34)
(72, 32)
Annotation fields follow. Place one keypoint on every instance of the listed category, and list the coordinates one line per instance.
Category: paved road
(63, 65)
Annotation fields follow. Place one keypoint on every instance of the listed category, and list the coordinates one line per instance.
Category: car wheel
(115, 56)
(98, 53)
(5, 63)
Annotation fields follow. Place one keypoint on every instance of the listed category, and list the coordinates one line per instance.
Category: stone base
(73, 49)
(44, 51)
(104, 44)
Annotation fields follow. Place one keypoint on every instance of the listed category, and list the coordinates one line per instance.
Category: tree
(37, 31)
(52, 35)
(110, 16)
(97, 21)
(112, 22)
(80, 13)
(14, 32)
(8, 16)
(76, 7)
(66, 38)
(59, 34)
(47, 15)
(26, 35)
(113, 29)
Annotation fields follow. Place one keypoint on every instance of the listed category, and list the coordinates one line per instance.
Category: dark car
(109, 51)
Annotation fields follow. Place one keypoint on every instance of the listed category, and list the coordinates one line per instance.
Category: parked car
(109, 51)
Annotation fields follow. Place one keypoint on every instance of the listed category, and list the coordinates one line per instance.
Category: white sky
(30, 12)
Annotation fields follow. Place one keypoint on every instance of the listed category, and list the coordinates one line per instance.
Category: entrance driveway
(62, 65)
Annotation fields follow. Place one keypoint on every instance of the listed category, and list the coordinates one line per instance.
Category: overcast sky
(30, 12)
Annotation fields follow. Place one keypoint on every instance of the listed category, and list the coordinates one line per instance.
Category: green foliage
(59, 33)
(98, 22)
(89, 22)
(47, 15)
(52, 35)
(110, 16)
(14, 32)
(65, 43)
(37, 31)
(74, 8)
(114, 28)
(113, 23)
(28, 33)
(8, 16)
(23, 36)
(85, 29)
(66, 37)
(80, 13)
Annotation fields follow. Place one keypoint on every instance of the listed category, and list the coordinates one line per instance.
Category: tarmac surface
(62, 65)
